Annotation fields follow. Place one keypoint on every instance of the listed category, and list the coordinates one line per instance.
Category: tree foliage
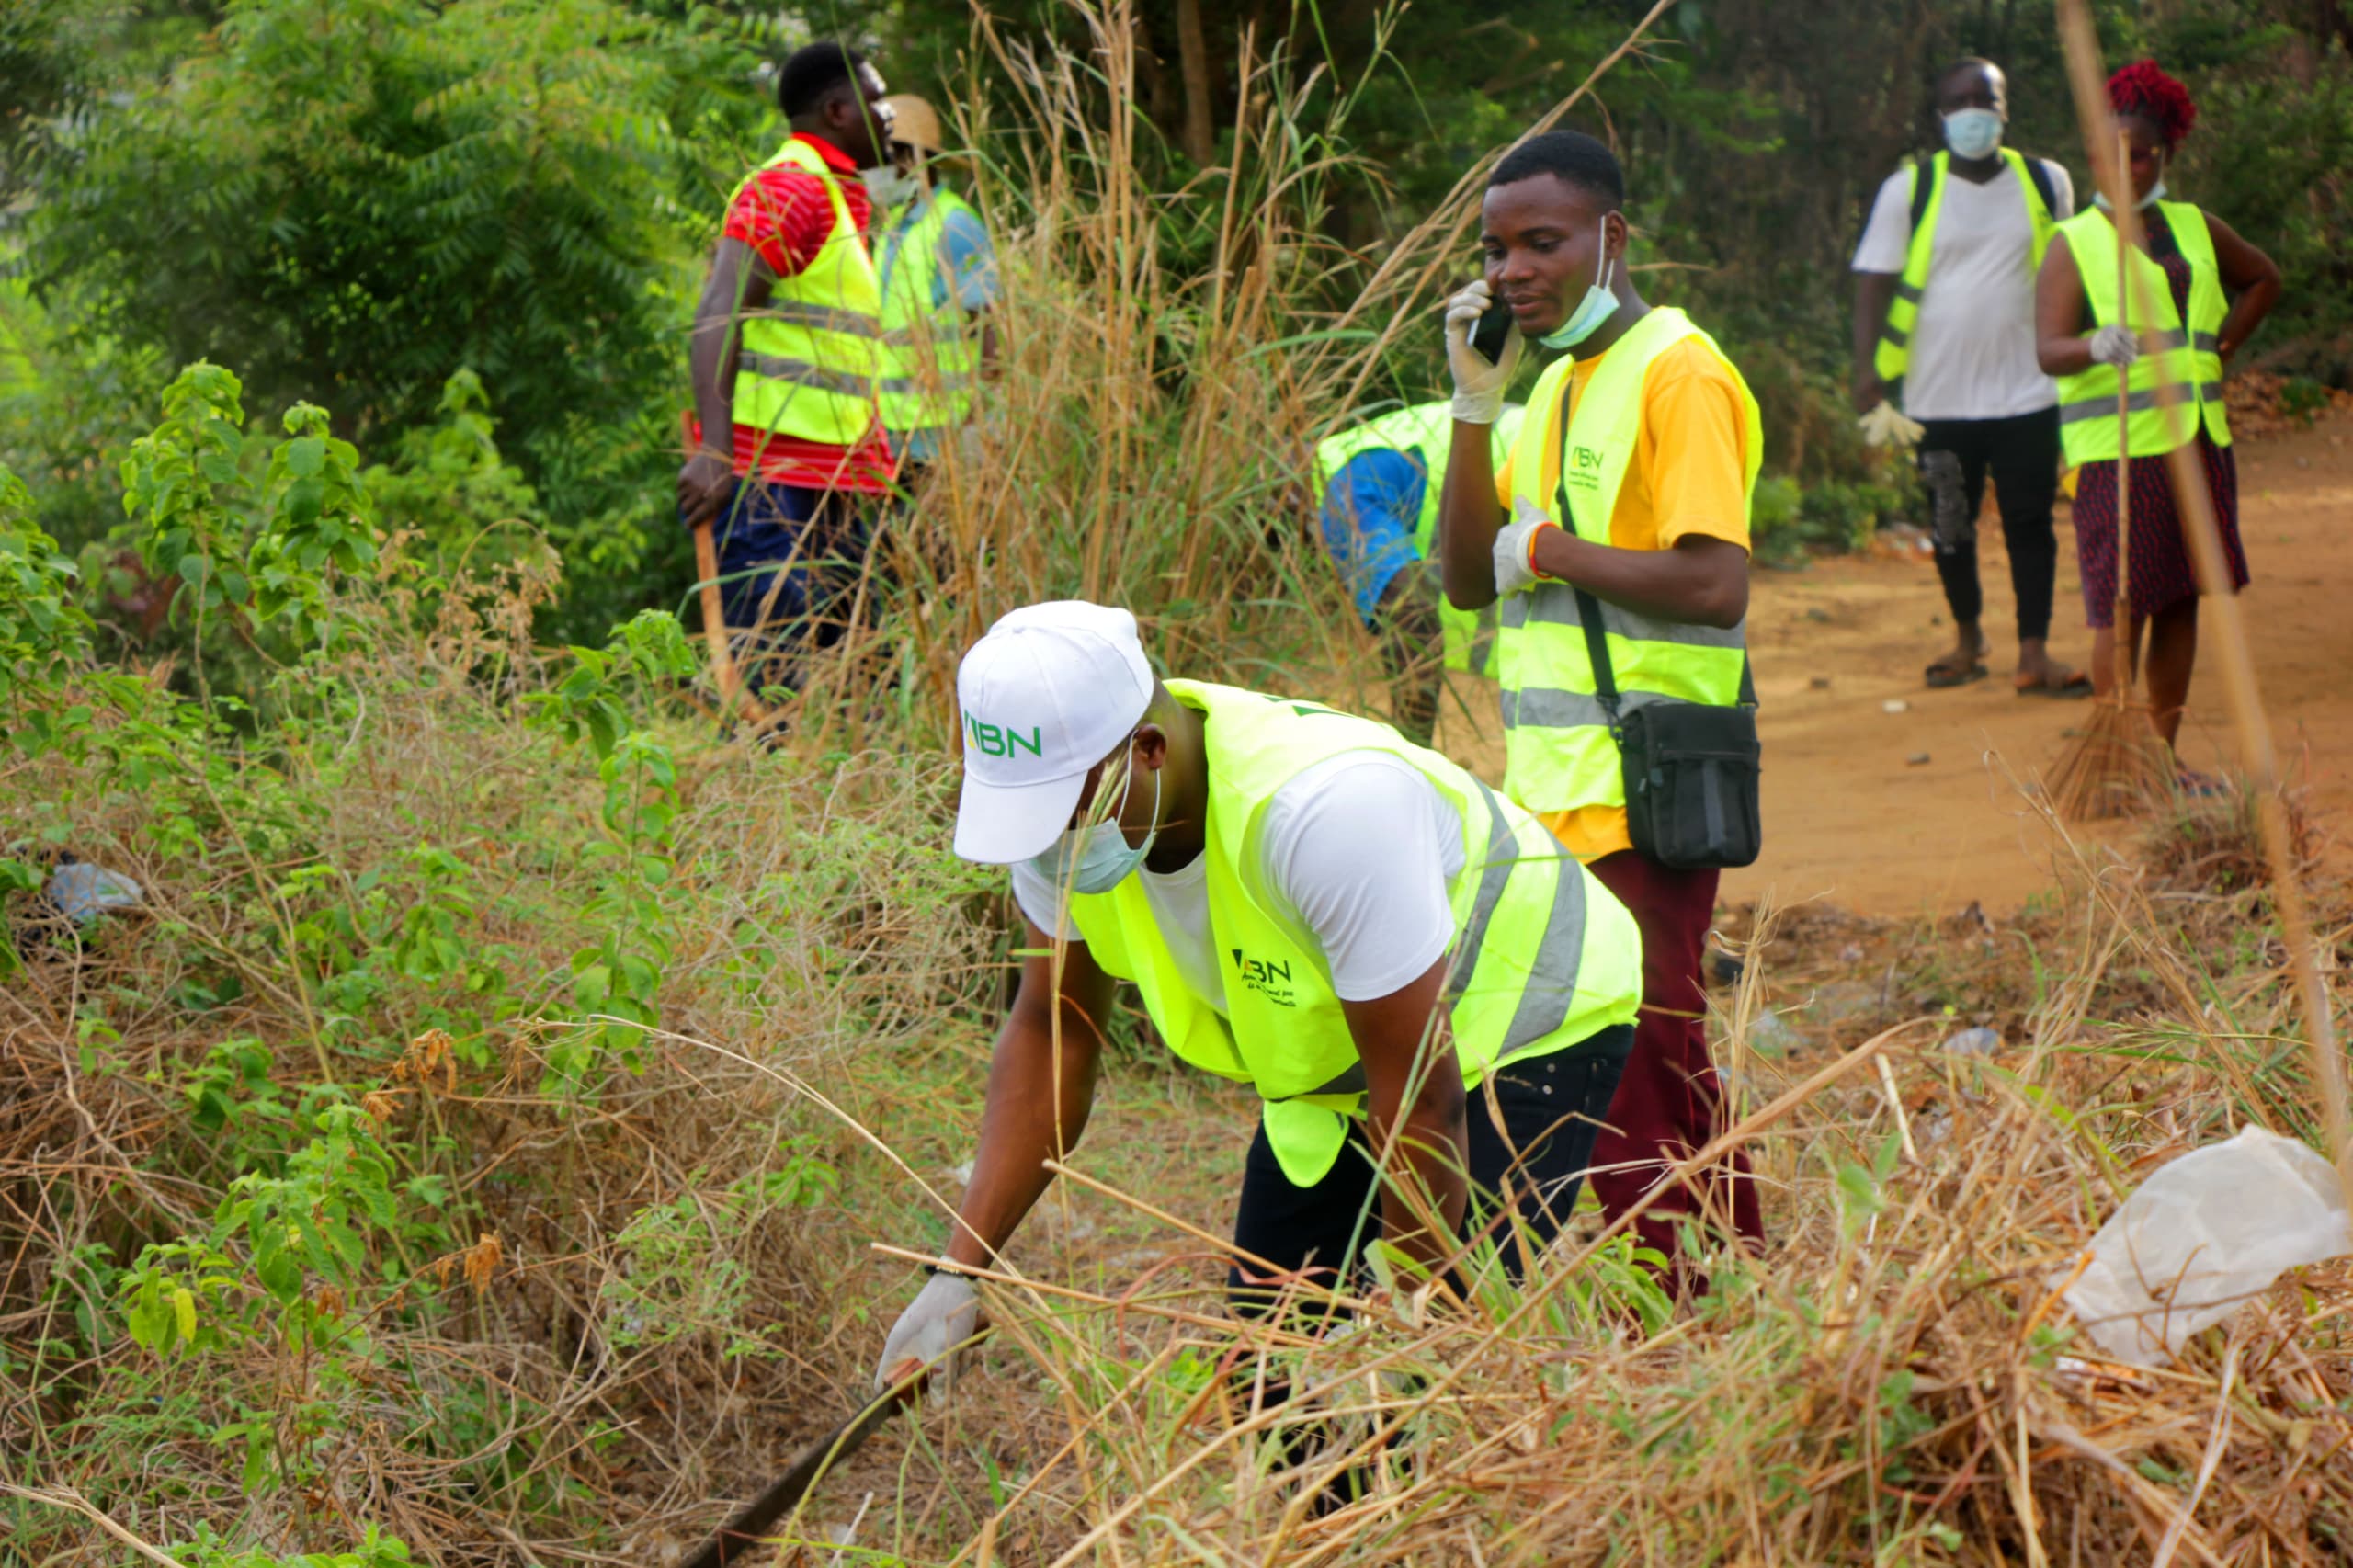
(351, 197)
(348, 201)
(351, 202)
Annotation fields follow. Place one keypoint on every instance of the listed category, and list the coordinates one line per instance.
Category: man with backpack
(1944, 353)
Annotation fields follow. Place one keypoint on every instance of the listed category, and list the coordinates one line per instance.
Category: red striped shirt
(782, 212)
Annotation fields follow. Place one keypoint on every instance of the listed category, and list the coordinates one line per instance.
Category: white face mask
(1094, 858)
(890, 186)
(2156, 194)
(1598, 306)
(1972, 133)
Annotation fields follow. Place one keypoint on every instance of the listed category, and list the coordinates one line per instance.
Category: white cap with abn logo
(1051, 691)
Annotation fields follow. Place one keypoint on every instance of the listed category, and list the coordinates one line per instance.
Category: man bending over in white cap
(1308, 903)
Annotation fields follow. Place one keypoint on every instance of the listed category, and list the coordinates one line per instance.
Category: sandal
(2200, 786)
(1947, 670)
(2072, 684)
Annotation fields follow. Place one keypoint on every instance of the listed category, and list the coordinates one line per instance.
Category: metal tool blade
(742, 1535)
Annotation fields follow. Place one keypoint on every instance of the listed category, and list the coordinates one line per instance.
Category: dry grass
(1892, 1383)
(1895, 1381)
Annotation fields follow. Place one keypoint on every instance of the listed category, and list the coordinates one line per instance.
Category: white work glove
(2115, 345)
(1513, 572)
(944, 1314)
(1885, 426)
(1478, 385)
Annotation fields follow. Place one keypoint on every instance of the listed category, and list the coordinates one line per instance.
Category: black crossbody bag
(1690, 768)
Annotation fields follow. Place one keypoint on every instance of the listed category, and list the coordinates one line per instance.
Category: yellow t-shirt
(1688, 476)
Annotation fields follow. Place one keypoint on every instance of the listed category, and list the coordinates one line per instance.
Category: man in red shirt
(782, 359)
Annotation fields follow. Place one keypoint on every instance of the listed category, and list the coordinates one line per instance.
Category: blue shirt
(1371, 508)
(964, 260)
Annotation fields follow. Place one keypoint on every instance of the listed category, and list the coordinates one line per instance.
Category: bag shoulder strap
(1597, 639)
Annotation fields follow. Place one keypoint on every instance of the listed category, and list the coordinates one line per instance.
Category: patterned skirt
(2162, 572)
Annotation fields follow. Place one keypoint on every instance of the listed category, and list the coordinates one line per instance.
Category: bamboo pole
(2257, 758)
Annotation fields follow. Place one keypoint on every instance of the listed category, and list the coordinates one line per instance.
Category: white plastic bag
(2201, 1237)
(84, 892)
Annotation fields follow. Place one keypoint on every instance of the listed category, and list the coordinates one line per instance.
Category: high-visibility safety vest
(1544, 957)
(807, 363)
(1895, 350)
(1558, 752)
(2191, 361)
(1425, 433)
(930, 356)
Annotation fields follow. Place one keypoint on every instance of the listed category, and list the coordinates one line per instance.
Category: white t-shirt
(1359, 849)
(1973, 348)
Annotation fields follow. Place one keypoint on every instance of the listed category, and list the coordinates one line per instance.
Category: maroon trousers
(1669, 1101)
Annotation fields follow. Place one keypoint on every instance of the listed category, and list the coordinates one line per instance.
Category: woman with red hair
(2206, 292)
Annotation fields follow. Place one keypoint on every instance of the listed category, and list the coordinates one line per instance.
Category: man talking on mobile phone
(1614, 542)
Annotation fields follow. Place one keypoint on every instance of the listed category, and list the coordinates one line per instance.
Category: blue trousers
(789, 563)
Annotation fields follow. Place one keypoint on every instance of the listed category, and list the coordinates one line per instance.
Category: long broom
(2258, 758)
(2116, 763)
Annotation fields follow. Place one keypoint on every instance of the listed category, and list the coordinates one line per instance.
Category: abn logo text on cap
(991, 739)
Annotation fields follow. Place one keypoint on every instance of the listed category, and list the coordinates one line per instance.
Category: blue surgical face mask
(1103, 858)
(1972, 133)
(1598, 306)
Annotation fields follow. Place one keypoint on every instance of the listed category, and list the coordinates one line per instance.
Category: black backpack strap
(1924, 186)
(2038, 172)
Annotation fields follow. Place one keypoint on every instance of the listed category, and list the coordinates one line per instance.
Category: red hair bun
(2143, 89)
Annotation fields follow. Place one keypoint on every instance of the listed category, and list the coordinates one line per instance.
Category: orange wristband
(1533, 534)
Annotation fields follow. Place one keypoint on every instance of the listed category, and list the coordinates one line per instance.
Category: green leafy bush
(352, 210)
(44, 632)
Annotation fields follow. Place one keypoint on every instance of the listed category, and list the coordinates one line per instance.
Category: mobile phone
(1492, 331)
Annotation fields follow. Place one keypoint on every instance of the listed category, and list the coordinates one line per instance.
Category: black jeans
(1552, 1108)
(2023, 453)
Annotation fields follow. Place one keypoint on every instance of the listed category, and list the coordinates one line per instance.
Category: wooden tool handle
(714, 620)
(731, 695)
(2122, 614)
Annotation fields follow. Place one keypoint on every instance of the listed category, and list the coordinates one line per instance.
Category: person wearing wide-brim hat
(939, 289)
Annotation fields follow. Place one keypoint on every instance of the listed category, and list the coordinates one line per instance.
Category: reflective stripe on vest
(930, 354)
(1895, 350)
(1558, 752)
(2189, 360)
(1544, 957)
(1425, 433)
(807, 363)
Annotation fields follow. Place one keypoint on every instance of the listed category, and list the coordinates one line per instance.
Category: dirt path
(1852, 818)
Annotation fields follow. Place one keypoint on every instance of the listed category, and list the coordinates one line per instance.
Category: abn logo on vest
(992, 739)
(1268, 978)
(1584, 468)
